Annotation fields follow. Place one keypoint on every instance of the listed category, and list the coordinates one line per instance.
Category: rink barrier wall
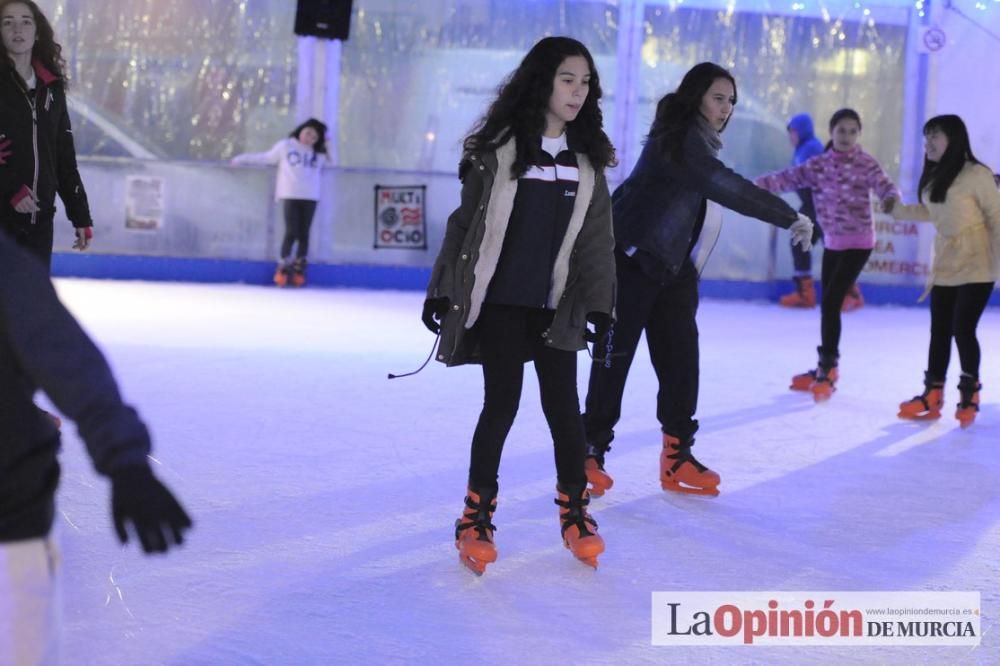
(410, 278)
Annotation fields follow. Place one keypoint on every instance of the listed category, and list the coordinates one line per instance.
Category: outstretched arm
(55, 353)
(717, 182)
(272, 156)
(788, 180)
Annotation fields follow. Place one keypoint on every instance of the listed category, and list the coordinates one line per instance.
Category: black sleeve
(70, 185)
(714, 180)
(58, 357)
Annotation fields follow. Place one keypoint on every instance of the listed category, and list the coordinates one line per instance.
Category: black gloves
(139, 498)
(601, 322)
(433, 315)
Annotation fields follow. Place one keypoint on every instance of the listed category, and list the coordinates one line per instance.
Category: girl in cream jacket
(959, 196)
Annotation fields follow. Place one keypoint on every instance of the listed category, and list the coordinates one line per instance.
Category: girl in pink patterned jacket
(841, 180)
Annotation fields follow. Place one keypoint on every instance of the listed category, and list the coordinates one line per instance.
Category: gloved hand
(802, 232)
(157, 517)
(433, 315)
(601, 322)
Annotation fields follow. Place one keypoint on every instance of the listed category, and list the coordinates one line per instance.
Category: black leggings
(955, 313)
(841, 269)
(298, 219)
(508, 337)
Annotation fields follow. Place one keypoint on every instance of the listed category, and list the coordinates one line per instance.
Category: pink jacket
(840, 183)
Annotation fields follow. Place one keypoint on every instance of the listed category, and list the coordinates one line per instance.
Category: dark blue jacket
(807, 148)
(661, 205)
(42, 346)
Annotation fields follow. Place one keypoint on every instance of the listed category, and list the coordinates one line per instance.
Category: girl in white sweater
(300, 157)
(958, 195)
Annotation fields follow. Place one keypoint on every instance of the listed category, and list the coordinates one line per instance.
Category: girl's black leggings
(841, 269)
(508, 337)
(298, 218)
(955, 313)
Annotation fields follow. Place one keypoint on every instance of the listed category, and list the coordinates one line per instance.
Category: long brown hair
(522, 99)
(678, 110)
(47, 50)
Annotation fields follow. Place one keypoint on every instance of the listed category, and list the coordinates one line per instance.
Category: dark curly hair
(677, 111)
(320, 128)
(523, 99)
(938, 176)
(47, 50)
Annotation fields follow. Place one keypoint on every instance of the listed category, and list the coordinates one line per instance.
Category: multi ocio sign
(400, 217)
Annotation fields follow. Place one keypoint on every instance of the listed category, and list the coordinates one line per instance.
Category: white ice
(325, 496)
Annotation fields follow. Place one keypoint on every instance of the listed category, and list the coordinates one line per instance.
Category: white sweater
(298, 168)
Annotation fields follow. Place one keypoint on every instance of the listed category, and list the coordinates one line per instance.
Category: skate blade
(965, 421)
(920, 416)
(588, 552)
(475, 566)
(598, 487)
(690, 490)
(823, 395)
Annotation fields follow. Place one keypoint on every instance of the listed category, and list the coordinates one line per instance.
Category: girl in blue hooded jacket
(802, 134)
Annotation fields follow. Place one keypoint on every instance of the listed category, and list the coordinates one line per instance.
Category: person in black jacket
(37, 156)
(659, 215)
(42, 346)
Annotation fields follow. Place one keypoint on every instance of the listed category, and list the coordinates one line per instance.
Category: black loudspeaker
(330, 19)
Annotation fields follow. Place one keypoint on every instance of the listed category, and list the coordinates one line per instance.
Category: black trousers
(803, 259)
(841, 269)
(955, 313)
(665, 309)
(36, 238)
(508, 337)
(298, 219)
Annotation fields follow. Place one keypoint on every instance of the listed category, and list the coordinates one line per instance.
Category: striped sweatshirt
(840, 183)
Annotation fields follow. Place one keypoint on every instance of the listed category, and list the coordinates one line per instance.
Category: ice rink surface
(325, 496)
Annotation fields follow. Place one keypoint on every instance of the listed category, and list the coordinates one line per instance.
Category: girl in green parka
(527, 260)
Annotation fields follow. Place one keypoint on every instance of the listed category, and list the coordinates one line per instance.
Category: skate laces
(967, 391)
(479, 520)
(923, 397)
(682, 454)
(576, 514)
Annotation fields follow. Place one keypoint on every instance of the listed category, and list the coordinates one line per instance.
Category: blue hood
(808, 146)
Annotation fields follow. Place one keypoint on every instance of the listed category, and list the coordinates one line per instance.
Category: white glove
(802, 232)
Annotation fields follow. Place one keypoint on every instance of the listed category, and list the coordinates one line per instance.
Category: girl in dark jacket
(526, 260)
(659, 215)
(37, 156)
